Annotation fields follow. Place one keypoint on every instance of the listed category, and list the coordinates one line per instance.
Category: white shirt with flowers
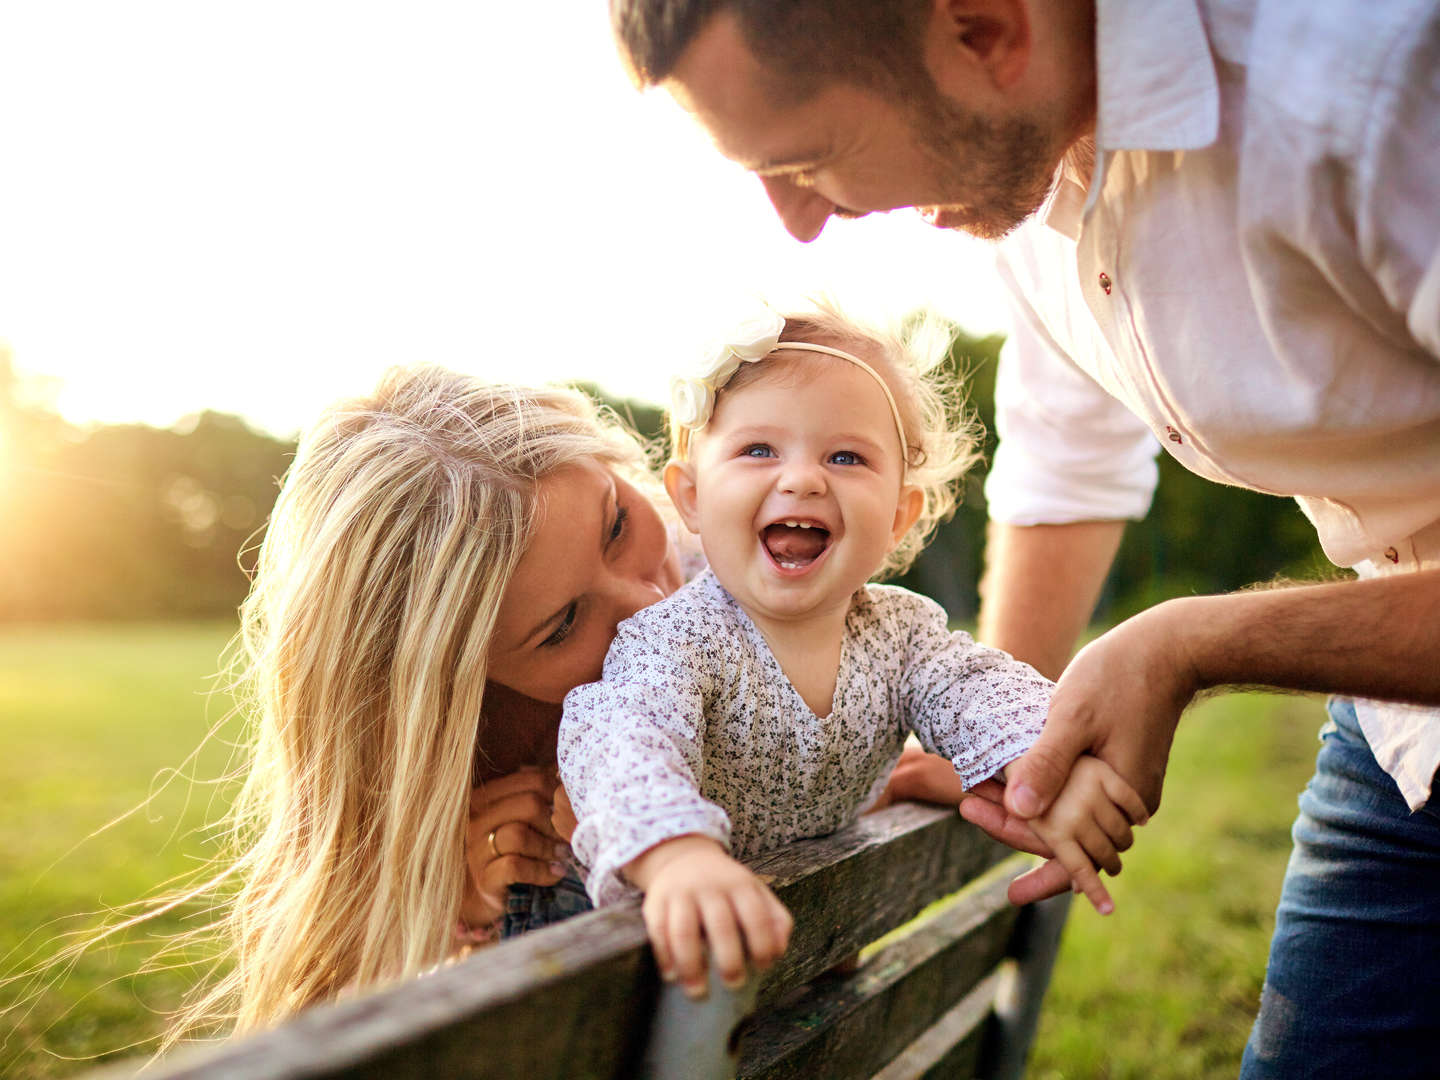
(694, 727)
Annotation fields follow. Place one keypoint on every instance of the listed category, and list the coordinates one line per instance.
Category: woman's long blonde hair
(364, 643)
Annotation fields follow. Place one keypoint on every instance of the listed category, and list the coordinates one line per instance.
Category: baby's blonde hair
(942, 441)
(364, 638)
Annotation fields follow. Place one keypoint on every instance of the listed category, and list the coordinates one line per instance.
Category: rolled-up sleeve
(1068, 451)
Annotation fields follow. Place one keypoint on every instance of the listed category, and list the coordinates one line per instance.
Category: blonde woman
(445, 561)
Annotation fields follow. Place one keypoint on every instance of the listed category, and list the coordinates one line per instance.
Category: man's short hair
(877, 44)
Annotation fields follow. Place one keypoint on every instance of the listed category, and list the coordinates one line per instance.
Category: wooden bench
(953, 993)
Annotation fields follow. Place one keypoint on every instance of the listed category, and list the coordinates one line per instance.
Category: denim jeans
(1353, 984)
(529, 907)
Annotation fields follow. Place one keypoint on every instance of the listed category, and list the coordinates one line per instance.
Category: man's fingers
(515, 838)
(1036, 777)
(1000, 824)
(562, 814)
(1047, 880)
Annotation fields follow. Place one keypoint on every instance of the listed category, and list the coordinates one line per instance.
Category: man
(1221, 231)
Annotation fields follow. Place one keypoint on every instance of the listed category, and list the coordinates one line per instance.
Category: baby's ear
(680, 485)
(907, 512)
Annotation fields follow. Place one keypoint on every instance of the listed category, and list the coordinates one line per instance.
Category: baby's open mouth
(794, 545)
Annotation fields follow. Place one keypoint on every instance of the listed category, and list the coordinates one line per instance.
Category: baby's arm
(1089, 824)
(694, 890)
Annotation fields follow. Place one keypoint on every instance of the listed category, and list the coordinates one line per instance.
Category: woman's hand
(510, 839)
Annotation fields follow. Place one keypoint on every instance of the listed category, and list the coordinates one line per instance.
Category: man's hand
(1119, 699)
(698, 898)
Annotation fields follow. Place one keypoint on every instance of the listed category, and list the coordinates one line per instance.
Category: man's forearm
(1040, 587)
(1378, 638)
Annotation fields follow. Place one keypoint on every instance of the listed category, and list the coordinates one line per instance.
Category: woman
(445, 561)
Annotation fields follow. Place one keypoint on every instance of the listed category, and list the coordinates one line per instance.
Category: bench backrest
(953, 993)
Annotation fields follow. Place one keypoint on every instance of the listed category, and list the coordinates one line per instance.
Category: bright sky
(259, 206)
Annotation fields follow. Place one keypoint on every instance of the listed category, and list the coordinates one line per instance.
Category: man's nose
(802, 211)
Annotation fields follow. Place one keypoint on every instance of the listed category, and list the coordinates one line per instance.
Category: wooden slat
(882, 872)
(575, 999)
(849, 1027)
(950, 1048)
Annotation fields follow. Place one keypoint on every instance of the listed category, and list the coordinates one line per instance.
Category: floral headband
(692, 397)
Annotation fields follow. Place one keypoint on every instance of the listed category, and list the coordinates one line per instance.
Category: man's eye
(758, 450)
(563, 630)
(846, 457)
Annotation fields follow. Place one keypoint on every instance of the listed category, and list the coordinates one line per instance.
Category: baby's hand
(1089, 824)
(693, 888)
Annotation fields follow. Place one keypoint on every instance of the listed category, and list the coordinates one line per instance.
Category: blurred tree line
(130, 521)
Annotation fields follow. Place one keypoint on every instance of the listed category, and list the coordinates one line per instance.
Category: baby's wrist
(645, 867)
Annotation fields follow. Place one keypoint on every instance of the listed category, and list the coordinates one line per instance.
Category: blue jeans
(529, 907)
(1353, 985)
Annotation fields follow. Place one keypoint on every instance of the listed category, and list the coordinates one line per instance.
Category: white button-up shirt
(1253, 280)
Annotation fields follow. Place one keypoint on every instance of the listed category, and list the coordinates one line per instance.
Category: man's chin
(968, 219)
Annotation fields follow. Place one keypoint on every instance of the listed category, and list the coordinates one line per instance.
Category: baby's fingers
(724, 943)
(687, 950)
(1116, 826)
(765, 923)
(1082, 873)
(1125, 797)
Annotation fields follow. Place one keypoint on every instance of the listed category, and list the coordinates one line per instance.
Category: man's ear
(984, 39)
(680, 486)
(907, 512)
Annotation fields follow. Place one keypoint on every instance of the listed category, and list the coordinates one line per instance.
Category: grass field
(91, 715)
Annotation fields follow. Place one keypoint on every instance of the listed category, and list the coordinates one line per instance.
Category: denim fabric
(1353, 984)
(529, 907)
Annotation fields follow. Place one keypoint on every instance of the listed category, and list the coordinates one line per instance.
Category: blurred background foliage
(128, 521)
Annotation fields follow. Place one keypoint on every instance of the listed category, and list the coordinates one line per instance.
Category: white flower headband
(692, 397)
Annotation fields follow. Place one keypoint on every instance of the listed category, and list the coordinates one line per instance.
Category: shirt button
(1172, 434)
(1105, 282)
(1392, 554)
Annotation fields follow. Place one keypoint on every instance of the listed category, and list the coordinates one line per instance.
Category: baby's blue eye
(758, 450)
(846, 457)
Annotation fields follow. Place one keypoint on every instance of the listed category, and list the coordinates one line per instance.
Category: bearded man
(1218, 223)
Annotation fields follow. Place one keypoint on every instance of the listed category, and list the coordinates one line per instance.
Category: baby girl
(769, 699)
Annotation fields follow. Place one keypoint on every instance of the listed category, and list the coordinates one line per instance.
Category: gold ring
(494, 850)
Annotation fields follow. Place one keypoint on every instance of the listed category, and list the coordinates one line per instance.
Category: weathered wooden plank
(852, 887)
(848, 1027)
(575, 999)
(950, 1048)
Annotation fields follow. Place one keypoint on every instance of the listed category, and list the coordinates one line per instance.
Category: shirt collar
(1156, 90)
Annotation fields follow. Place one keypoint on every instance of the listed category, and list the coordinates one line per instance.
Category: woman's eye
(563, 630)
(758, 450)
(622, 514)
(846, 457)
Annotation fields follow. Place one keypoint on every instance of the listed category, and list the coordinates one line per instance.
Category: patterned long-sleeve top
(694, 727)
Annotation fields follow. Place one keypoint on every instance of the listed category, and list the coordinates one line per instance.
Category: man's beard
(998, 171)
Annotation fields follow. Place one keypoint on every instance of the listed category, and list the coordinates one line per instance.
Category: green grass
(90, 715)
(1168, 985)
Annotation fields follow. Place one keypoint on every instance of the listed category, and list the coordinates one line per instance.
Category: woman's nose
(802, 211)
(631, 593)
